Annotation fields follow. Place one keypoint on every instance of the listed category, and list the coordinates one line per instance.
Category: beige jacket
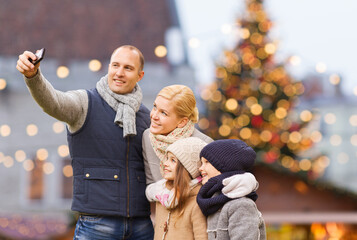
(191, 225)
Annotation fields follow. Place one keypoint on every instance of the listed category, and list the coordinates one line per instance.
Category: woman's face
(164, 118)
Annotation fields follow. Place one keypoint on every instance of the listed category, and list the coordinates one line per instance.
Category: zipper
(127, 177)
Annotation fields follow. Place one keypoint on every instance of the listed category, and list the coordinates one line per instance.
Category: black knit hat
(229, 155)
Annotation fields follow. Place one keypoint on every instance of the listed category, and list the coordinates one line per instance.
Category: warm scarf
(158, 192)
(210, 197)
(161, 142)
(125, 105)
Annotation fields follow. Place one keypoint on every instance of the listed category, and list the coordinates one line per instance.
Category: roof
(83, 29)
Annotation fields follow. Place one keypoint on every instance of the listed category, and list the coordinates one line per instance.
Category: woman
(173, 116)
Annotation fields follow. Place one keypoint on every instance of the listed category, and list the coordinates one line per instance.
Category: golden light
(256, 38)
(224, 130)
(321, 67)
(216, 96)
(354, 140)
(250, 101)
(67, 171)
(261, 53)
(270, 48)
(245, 133)
(330, 118)
(194, 43)
(335, 140)
(353, 120)
(306, 116)
(203, 123)
(295, 60)
(5, 130)
(31, 130)
(226, 28)
(287, 162)
(281, 113)
(316, 136)
(28, 165)
(63, 151)
(206, 94)
(283, 103)
(62, 72)
(2, 84)
(335, 79)
(284, 137)
(343, 158)
(318, 231)
(305, 164)
(256, 109)
(58, 127)
(243, 120)
(323, 161)
(160, 51)
(20, 155)
(94, 65)
(231, 104)
(42, 154)
(295, 137)
(266, 136)
(301, 187)
(244, 33)
(48, 168)
(8, 161)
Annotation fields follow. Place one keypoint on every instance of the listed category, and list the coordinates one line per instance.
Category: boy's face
(207, 170)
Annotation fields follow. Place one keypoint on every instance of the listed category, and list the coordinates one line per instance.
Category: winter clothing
(103, 159)
(191, 225)
(239, 219)
(229, 155)
(187, 151)
(152, 161)
(94, 156)
(233, 214)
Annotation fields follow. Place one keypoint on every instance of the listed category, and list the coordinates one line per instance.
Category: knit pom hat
(187, 151)
(229, 155)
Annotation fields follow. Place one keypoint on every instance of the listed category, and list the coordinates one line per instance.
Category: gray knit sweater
(238, 219)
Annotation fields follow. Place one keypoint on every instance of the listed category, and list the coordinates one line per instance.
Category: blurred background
(280, 75)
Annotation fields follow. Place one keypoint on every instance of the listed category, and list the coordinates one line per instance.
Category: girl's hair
(182, 99)
(181, 186)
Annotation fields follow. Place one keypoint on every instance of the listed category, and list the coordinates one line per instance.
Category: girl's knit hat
(228, 155)
(187, 151)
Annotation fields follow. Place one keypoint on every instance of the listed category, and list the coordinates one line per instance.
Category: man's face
(124, 71)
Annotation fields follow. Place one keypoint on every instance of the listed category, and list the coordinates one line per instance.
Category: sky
(319, 32)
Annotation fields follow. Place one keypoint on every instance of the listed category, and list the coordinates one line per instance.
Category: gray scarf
(125, 105)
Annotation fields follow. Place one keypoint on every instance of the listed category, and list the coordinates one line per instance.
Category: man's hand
(25, 67)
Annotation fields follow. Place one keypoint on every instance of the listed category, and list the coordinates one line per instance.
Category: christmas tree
(253, 99)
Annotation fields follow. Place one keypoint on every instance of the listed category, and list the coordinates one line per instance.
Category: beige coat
(191, 225)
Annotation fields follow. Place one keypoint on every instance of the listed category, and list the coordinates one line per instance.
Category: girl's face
(207, 170)
(164, 118)
(170, 166)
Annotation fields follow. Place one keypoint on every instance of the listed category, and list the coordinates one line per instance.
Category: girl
(229, 217)
(177, 213)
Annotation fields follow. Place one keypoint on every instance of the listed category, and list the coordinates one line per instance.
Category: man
(105, 127)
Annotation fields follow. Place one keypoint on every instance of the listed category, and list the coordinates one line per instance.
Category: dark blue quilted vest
(108, 169)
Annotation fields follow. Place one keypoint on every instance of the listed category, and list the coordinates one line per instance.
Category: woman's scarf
(125, 105)
(158, 192)
(161, 142)
(210, 197)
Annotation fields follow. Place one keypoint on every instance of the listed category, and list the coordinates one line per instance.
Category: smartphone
(40, 54)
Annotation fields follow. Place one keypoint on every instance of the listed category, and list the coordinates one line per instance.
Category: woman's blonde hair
(182, 99)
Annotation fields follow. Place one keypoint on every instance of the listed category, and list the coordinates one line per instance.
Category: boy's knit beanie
(229, 155)
(187, 151)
